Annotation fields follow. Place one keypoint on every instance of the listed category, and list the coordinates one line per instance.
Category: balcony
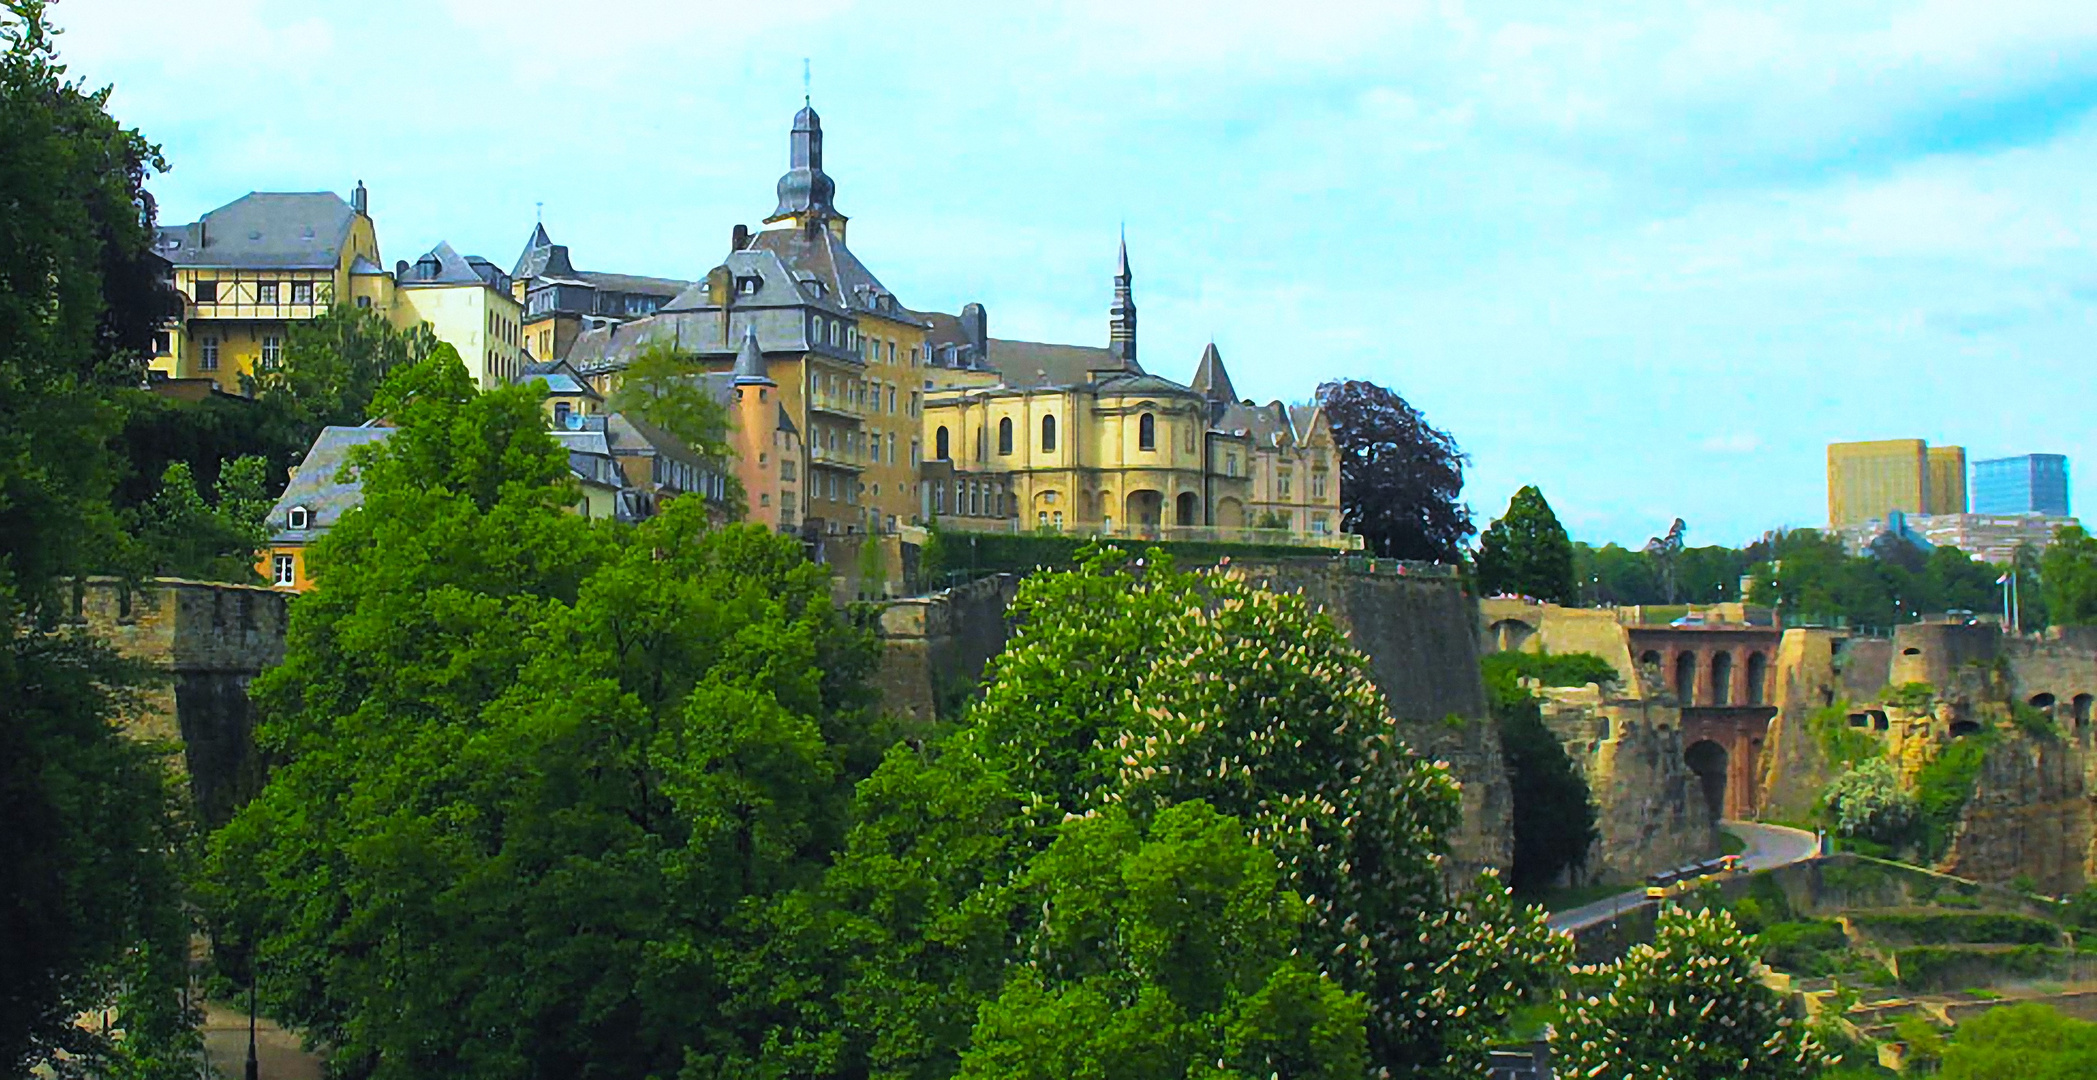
(832, 459)
(836, 405)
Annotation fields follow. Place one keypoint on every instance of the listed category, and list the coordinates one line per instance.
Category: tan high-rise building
(1867, 480)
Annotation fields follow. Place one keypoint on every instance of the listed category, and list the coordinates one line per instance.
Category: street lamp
(254, 1067)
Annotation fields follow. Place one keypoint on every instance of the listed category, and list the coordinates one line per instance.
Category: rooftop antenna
(806, 98)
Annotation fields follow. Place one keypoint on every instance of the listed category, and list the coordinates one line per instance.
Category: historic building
(844, 355)
(560, 302)
(248, 270)
(1082, 438)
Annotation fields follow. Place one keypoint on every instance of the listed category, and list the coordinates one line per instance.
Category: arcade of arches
(1721, 677)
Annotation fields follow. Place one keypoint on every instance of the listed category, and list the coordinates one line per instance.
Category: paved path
(1768, 847)
(277, 1051)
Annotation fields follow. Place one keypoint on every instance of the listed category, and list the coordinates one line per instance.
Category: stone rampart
(1649, 806)
(207, 640)
(934, 648)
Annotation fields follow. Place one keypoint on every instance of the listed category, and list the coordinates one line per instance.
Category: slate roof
(1211, 379)
(1023, 362)
(560, 378)
(443, 266)
(275, 230)
(544, 260)
(846, 280)
(317, 486)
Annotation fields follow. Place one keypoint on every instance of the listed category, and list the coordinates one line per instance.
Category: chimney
(740, 238)
(360, 200)
(975, 325)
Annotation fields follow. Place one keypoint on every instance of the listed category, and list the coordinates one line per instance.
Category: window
(364, 301)
(301, 292)
(300, 518)
(207, 353)
(286, 570)
(891, 448)
(891, 359)
(939, 438)
(833, 334)
(1005, 435)
(1056, 520)
(265, 292)
(786, 468)
(891, 398)
(1147, 432)
(913, 356)
(1318, 484)
(206, 292)
(1230, 464)
(982, 445)
(162, 342)
(1048, 434)
(1319, 525)
(560, 415)
(272, 349)
(852, 339)
(916, 406)
(764, 500)
(1281, 483)
(915, 452)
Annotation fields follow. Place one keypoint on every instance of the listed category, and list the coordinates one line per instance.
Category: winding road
(1768, 847)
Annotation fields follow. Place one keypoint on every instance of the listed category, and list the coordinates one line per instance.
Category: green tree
(1686, 1007)
(331, 368)
(2069, 570)
(1163, 953)
(180, 534)
(544, 787)
(666, 388)
(1866, 802)
(90, 916)
(1131, 685)
(1526, 552)
(2029, 1042)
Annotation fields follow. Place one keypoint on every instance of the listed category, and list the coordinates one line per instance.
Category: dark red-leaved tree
(1399, 475)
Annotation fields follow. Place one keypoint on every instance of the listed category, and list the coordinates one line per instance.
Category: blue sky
(1650, 257)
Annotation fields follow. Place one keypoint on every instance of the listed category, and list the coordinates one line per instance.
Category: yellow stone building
(845, 356)
(248, 270)
(1866, 480)
(1081, 439)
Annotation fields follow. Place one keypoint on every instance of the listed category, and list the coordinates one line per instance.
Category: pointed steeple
(537, 248)
(1211, 380)
(1121, 326)
(805, 190)
(750, 361)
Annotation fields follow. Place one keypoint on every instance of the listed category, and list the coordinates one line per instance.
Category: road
(1768, 847)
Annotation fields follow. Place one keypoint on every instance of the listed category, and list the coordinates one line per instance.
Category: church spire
(1121, 326)
(805, 190)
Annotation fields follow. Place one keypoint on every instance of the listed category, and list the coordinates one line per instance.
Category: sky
(1649, 257)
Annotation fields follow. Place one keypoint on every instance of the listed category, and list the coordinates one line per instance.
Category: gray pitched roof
(845, 279)
(1210, 378)
(750, 360)
(1024, 363)
(275, 230)
(444, 266)
(317, 485)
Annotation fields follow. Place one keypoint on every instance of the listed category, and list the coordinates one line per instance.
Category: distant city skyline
(1652, 262)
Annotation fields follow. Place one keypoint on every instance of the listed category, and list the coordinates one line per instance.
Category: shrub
(1803, 947)
(1839, 743)
(1913, 696)
(1942, 788)
(1866, 803)
(1951, 928)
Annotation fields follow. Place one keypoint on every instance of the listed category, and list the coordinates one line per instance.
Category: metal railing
(1210, 534)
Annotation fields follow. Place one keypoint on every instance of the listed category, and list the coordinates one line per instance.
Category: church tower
(1121, 326)
(806, 191)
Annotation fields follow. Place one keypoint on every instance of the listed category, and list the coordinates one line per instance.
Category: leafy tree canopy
(1527, 552)
(1400, 477)
(1554, 812)
(332, 367)
(1131, 687)
(545, 786)
(2029, 1041)
(2069, 569)
(1686, 1007)
(180, 534)
(89, 908)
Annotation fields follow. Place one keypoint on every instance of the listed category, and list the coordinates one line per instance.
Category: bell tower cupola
(806, 191)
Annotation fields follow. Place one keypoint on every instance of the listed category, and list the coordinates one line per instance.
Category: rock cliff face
(1650, 808)
(1418, 633)
(2029, 816)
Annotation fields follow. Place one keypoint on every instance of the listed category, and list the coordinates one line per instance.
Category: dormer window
(301, 518)
(748, 284)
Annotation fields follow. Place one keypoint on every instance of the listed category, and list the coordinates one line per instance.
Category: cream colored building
(249, 270)
(1081, 439)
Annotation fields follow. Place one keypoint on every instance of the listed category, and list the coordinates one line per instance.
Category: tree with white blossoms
(1866, 801)
(1132, 687)
(1687, 1007)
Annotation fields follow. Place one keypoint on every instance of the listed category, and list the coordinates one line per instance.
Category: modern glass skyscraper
(2027, 484)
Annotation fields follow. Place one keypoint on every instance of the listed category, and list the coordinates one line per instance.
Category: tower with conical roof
(806, 191)
(1121, 325)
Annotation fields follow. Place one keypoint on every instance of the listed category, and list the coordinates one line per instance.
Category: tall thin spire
(807, 97)
(805, 190)
(1121, 325)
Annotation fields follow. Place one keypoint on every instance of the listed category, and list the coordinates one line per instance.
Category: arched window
(300, 517)
(1004, 435)
(1757, 675)
(1048, 434)
(939, 445)
(1147, 432)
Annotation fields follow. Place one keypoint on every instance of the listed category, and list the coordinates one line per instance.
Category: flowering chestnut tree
(1687, 1007)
